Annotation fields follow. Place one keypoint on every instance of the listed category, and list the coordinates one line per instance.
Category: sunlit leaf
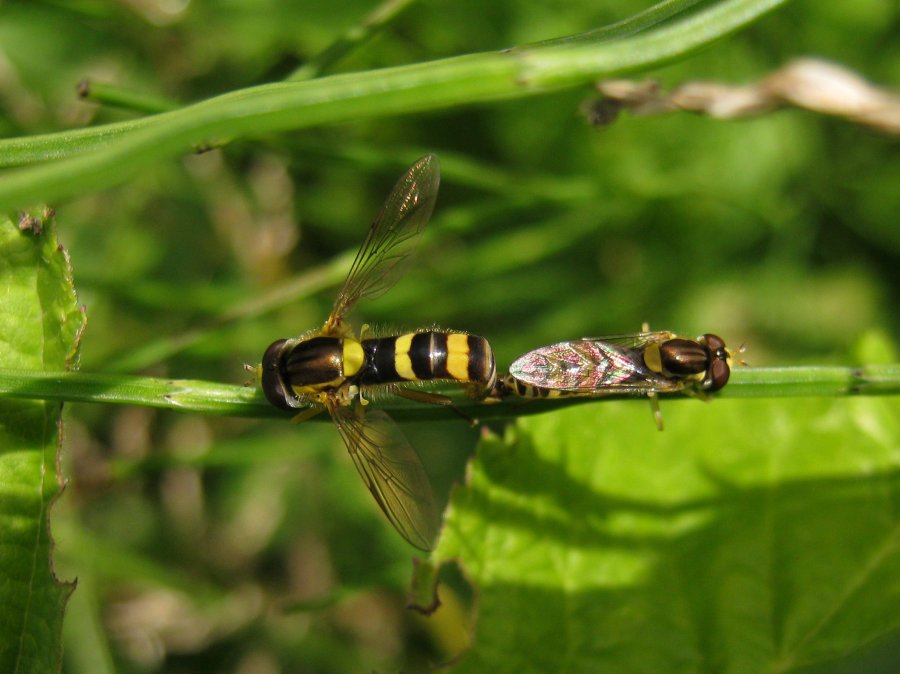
(40, 321)
(749, 536)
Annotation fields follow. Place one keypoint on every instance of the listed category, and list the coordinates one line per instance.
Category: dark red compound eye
(714, 342)
(718, 374)
(271, 380)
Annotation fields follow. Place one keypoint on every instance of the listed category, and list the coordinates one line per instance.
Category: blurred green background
(251, 545)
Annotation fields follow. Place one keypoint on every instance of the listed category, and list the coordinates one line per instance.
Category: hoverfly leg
(657, 413)
(433, 399)
(472, 421)
(424, 396)
(351, 393)
(308, 413)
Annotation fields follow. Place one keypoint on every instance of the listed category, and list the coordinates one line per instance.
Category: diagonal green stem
(301, 285)
(380, 17)
(657, 14)
(350, 97)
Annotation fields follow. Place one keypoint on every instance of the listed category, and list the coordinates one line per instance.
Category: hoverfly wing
(588, 366)
(635, 340)
(392, 471)
(405, 212)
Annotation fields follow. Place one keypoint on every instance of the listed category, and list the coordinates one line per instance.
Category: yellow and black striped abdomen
(509, 384)
(427, 356)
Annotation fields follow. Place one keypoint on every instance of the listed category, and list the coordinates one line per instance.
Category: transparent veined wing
(592, 367)
(634, 340)
(392, 471)
(405, 212)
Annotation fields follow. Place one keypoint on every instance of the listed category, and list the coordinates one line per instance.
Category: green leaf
(40, 321)
(750, 536)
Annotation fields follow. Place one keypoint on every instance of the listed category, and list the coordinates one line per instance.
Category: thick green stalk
(228, 399)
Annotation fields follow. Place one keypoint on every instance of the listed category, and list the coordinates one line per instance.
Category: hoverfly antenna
(741, 349)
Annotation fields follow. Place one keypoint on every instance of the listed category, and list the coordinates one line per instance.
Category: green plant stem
(177, 394)
(63, 144)
(815, 380)
(228, 399)
(350, 97)
(112, 95)
(657, 14)
(380, 17)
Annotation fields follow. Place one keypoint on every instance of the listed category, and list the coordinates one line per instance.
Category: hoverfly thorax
(314, 364)
(704, 360)
(677, 357)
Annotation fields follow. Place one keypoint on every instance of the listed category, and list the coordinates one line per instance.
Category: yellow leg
(430, 398)
(308, 413)
(423, 396)
(657, 414)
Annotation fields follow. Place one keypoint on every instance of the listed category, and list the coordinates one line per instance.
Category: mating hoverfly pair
(331, 369)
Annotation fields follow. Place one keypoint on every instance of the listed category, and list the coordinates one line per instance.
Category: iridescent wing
(593, 367)
(392, 471)
(405, 212)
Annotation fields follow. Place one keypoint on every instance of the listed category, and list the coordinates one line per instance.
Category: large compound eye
(271, 381)
(715, 343)
(717, 377)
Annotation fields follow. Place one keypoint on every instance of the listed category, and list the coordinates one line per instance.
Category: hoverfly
(331, 368)
(646, 363)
